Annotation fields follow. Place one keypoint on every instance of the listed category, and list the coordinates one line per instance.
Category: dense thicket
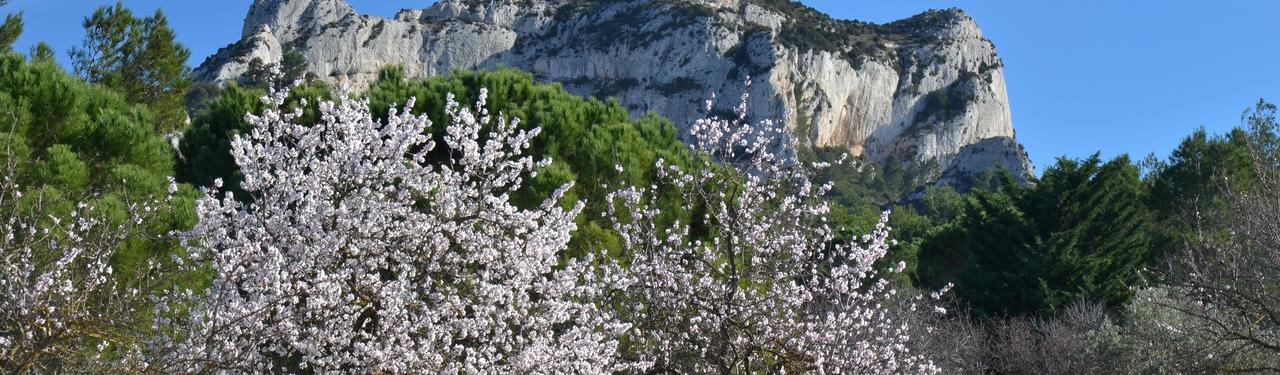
(1223, 282)
(1187, 303)
(69, 139)
(87, 209)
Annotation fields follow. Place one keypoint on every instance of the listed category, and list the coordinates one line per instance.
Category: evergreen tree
(1187, 186)
(205, 150)
(139, 57)
(1081, 234)
(1194, 171)
(258, 74)
(198, 97)
(10, 31)
(989, 252)
(69, 139)
(73, 153)
(42, 52)
(1095, 228)
(293, 66)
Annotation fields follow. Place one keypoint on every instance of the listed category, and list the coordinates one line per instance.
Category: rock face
(926, 87)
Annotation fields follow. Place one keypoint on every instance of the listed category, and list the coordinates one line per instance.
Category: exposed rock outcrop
(926, 87)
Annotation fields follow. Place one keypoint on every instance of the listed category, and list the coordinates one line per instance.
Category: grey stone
(927, 87)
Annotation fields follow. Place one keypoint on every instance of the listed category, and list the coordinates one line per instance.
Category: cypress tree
(1082, 233)
(1096, 231)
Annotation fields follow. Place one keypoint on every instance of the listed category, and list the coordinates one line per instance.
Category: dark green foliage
(807, 29)
(585, 138)
(69, 139)
(377, 31)
(10, 31)
(945, 103)
(862, 189)
(1202, 163)
(635, 28)
(1081, 234)
(1187, 186)
(612, 87)
(911, 224)
(1085, 231)
(293, 68)
(256, 75)
(205, 150)
(1098, 231)
(198, 97)
(807, 37)
(927, 20)
(1195, 170)
(989, 255)
(138, 57)
(1190, 180)
(293, 65)
(1263, 131)
(941, 202)
(676, 86)
(42, 52)
(743, 64)
(864, 182)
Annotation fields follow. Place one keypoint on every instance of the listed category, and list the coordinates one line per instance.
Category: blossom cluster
(64, 307)
(358, 251)
(755, 281)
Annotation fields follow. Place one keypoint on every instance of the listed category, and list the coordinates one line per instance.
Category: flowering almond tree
(63, 306)
(755, 283)
(356, 254)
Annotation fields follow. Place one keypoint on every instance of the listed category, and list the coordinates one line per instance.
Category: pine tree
(138, 57)
(10, 31)
(42, 52)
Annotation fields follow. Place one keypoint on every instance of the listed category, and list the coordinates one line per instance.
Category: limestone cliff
(926, 87)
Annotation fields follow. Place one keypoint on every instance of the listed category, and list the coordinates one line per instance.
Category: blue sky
(1083, 76)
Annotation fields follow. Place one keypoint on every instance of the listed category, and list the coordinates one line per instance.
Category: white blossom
(757, 284)
(360, 251)
(62, 306)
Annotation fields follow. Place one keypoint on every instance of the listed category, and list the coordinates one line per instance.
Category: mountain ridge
(928, 87)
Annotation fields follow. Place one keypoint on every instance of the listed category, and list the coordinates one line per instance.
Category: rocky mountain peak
(927, 87)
